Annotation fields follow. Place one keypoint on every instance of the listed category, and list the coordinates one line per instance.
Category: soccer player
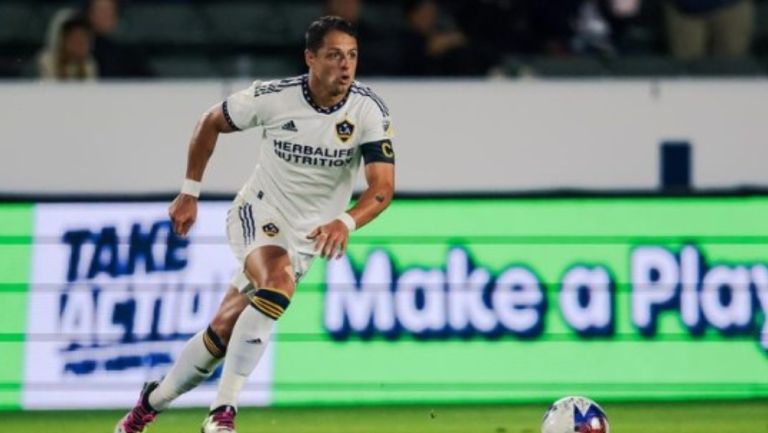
(315, 129)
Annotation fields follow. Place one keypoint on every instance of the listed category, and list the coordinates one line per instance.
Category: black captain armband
(378, 151)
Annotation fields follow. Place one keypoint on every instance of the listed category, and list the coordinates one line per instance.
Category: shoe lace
(225, 418)
(138, 418)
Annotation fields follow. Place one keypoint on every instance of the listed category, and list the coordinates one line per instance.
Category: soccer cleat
(220, 420)
(141, 414)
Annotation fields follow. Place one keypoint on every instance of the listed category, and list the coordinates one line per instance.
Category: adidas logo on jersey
(290, 126)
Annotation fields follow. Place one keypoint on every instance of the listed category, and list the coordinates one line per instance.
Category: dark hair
(324, 25)
(75, 22)
(411, 5)
(87, 5)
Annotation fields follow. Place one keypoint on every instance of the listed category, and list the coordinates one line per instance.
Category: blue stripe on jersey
(227, 116)
(367, 91)
(252, 223)
(243, 225)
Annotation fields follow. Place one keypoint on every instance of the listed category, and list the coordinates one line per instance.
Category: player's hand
(183, 213)
(330, 239)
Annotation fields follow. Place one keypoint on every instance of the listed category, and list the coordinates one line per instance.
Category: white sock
(194, 364)
(248, 342)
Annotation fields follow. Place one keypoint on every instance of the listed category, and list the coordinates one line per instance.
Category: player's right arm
(241, 110)
(183, 209)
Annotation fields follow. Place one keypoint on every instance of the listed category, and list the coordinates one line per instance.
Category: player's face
(335, 63)
(103, 16)
(76, 44)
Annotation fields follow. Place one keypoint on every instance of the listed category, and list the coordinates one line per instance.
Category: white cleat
(220, 420)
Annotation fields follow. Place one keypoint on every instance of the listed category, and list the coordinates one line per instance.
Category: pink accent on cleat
(220, 420)
(141, 414)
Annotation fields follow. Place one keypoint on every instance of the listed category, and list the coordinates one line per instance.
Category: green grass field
(700, 417)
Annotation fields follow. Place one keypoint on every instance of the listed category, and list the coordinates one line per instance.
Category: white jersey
(309, 155)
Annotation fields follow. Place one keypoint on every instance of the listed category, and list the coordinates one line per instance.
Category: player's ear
(309, 57)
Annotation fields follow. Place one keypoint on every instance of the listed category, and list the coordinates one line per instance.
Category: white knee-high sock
(246, 345)
(194, 364)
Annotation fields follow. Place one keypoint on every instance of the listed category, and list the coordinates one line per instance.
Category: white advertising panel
(114, 295)
(460, 136)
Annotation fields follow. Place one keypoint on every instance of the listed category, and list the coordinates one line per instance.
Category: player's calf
(225, 318)
(250, 337)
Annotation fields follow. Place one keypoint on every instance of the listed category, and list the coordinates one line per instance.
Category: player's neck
(321, 95)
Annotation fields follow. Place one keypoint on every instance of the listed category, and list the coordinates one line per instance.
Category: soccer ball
(575, 415)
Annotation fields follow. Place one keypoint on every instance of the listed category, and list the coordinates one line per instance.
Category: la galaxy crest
(344, 130)
(270, 229)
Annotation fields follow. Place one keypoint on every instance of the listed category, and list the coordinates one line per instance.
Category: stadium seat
(258, 67)
(183, 67)
(298, 16)
(388, 16)
(246, 23)
(738, 67)
(10, 67)
(646, 66)
(19, 23)
(171, 24)
(566, 67)
(761, 28)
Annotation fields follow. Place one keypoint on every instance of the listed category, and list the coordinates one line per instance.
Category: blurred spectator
(377, 48)
(631, 23)
(115, 59)
(67, 54)
(501, 26)
(581, 26)
(431, 49)
(701, 28)
(553, 22)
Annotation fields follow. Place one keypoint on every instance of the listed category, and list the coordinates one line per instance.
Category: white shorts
(251, 225)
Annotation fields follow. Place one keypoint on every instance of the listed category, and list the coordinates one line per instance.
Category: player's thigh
(231, 306)
(270, 267)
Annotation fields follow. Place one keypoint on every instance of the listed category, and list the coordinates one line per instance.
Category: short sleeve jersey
(309, 154)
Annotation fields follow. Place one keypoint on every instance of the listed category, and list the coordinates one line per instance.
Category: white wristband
(348, 221)
(191, 187)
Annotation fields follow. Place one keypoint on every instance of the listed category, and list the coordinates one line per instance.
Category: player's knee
(272, 302)
(282, 281)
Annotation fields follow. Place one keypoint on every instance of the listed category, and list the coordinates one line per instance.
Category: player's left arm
(331, 239)
(379, 157)
(377, 197)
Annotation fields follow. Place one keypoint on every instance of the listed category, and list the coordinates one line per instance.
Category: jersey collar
(319, 109)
